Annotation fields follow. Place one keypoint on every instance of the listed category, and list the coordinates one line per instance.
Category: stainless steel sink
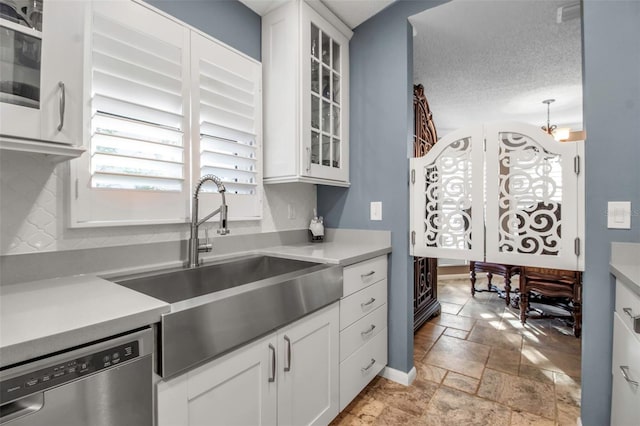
(218, 307)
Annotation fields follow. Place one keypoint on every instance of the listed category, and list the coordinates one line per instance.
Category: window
(160, 117)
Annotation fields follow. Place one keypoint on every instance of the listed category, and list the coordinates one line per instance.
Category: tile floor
(477, 365)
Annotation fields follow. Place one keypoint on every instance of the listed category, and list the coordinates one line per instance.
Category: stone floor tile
(567, 414)
(453, 332)
(550, 359)
(504, 360)
(451, 407)
(567, 389)
(429, 372)
(366, 409)
(535, 373)
(457, 355)
(392, 416)
(429, 331)
(461, 382)
(518, 393)
(450, 308)
(496, 338)
(520, 418)
(410, 399)
(454, 321)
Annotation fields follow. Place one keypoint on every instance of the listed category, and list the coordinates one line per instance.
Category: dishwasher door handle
(22, 407)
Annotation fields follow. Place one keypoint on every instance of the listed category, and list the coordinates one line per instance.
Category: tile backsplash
(32, 211)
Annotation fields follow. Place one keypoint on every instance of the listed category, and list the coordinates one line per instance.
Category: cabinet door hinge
(76, 185)
(576, 164)
(413, 238)
(413, 175)
(577, 246)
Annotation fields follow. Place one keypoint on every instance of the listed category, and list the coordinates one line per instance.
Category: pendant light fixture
(559, 134)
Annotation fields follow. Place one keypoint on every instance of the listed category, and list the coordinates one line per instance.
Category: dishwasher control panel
(66, 371)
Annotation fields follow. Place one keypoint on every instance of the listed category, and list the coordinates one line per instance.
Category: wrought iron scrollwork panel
(530, 197)
(448, 183)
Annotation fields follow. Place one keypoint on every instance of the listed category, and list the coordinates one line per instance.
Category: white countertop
(625, 264)
(42, 317)
(339, 253)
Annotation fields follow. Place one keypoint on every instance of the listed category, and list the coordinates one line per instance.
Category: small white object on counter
(41, 317)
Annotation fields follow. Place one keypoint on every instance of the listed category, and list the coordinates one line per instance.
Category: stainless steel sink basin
(220, 306)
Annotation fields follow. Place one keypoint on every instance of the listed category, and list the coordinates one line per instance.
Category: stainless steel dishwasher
(106, 383)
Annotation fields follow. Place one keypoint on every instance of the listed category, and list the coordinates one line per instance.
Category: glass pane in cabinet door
(20, 60)
(315, 41)
(326, 116)
(315, 76)
(336, 153)
(326, 82)
(326, 150)
(336, 88)
(326, 49)
(315, 112)
(315, 148)
(336, 56)
(336, 121)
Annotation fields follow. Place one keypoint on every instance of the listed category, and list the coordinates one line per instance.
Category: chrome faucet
(194, 246)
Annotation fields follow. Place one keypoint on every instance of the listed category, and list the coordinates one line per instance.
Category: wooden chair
(506, 271)
(555, 283)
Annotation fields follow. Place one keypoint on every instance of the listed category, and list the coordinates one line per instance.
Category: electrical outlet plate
(619, 215)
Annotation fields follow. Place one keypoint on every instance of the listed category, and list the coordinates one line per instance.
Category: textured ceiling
(495, 60)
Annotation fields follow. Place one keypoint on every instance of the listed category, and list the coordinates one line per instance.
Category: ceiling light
(559, 134)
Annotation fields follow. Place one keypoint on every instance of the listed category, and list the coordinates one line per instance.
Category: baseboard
(399, 376)
(579, 422)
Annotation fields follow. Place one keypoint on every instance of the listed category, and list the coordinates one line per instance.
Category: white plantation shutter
(226, 126)
(138, 163)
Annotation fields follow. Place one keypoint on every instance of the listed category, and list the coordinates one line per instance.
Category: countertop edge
(619, 272)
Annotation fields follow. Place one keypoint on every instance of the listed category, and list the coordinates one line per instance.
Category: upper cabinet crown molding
(305, 53)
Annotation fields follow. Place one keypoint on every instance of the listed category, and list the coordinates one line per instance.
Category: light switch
(376, 210)
(619, 215)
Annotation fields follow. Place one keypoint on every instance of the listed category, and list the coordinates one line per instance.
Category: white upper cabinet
(41, 63)
(305, 53)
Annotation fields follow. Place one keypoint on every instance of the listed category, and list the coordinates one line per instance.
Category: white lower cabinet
(625, 394)
(287, 378)
(363, 326)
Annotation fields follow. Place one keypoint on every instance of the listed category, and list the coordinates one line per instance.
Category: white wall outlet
(619, 215)
(376, 210)
(291, 211)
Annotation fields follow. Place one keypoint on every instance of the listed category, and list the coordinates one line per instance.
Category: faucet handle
(207, 246)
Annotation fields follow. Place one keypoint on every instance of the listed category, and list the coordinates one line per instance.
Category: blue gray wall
(611, 31)
(381, 113)
(227, 20)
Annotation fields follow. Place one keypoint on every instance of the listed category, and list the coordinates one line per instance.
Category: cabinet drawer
(625, 396)
(628, 307)
(362, 331)
(361, 367)
(359, 304)
(365, 273)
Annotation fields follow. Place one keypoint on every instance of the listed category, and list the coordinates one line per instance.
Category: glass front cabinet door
(325, 79)
(306, 95)
(41, 70)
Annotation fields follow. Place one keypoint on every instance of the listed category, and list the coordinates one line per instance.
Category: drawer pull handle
(369, 331)
(368, 274)
(273, 364)
(288, 367)
(62, 104)
(629, 312)
(365, 369)
(364, 305)
(625, 374)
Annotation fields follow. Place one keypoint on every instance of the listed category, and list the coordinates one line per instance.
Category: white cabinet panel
(363, 274)
(308, 373)
(361, 303)
(625, 397)
(628, 307)
(361, 331)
